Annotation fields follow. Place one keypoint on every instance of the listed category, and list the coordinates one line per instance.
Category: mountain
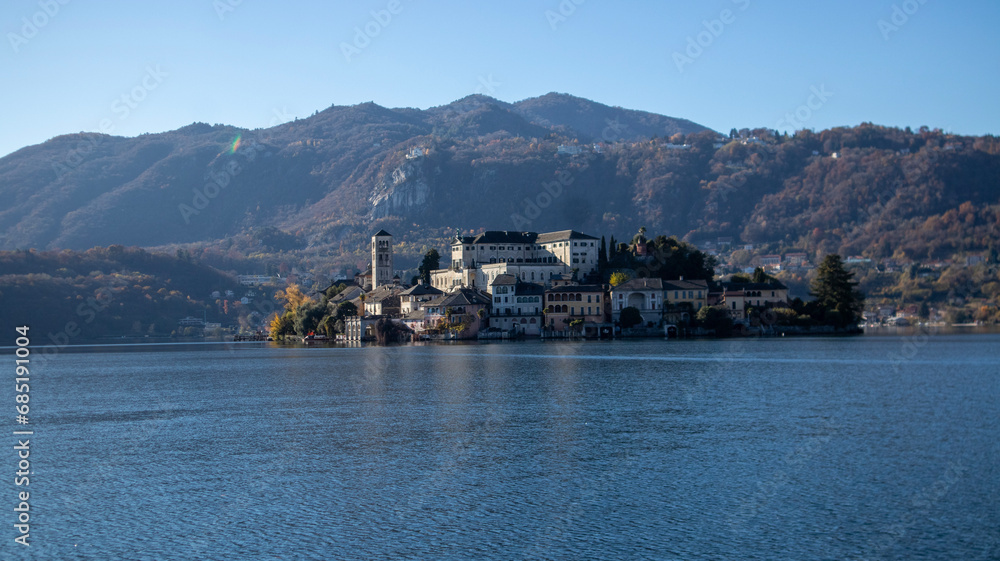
(595, 122)
(321, 184)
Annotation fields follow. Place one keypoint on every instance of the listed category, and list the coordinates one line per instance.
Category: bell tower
(381, 259)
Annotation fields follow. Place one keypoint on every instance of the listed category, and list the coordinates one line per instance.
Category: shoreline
(877, 331)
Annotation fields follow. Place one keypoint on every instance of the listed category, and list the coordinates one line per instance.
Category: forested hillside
(326, 182)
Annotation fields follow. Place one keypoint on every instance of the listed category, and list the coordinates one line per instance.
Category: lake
(821, 448)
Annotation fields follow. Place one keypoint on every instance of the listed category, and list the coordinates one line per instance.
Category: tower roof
(383, 233)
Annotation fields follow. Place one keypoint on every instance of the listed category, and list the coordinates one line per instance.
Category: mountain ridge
(544, 163)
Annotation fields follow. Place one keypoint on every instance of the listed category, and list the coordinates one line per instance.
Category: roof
(577, 288)
(732, 286)
(381, 293)
(421, 290)
(504, 279)
(461, 297)
(504, 236)
(383, 233)
(563, 235)
(416, 315)
(498, 236)
(640, 284)
(349, 293)
(697, 284)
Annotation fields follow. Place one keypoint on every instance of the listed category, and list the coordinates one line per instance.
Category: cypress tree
(602, 256)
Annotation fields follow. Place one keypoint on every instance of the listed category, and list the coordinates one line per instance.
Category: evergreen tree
(612, 249)
(759, 276)
(836, 294)
(602, 256)
(431, 262)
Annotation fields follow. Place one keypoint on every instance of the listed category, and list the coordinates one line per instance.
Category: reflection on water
(871, 447)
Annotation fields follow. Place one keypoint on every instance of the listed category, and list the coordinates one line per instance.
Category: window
(598, 300)
(588, 298)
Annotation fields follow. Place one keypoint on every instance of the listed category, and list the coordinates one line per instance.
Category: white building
(645, 295)
(531, 257)
(517, 306)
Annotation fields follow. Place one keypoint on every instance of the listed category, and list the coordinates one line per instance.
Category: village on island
(509, 285)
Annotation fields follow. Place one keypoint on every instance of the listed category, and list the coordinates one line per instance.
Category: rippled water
(870, 447)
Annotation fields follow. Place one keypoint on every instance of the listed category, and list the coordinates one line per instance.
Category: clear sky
(66, 64)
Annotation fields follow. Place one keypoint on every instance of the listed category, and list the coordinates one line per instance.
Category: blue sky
(721, 63)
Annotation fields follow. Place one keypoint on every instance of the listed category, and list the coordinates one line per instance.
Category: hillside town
(507, 285)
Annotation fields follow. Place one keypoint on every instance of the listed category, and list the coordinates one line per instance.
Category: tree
(346, 309)
(630, 316)
(308, 317)
(293, 297)
(612, 247)
(715, 318)
(281, 325)
(602, 256)
(431, 262)
(619, 277)
(836, 294)
(759, 276)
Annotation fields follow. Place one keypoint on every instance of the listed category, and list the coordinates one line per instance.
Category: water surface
(834, 448)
